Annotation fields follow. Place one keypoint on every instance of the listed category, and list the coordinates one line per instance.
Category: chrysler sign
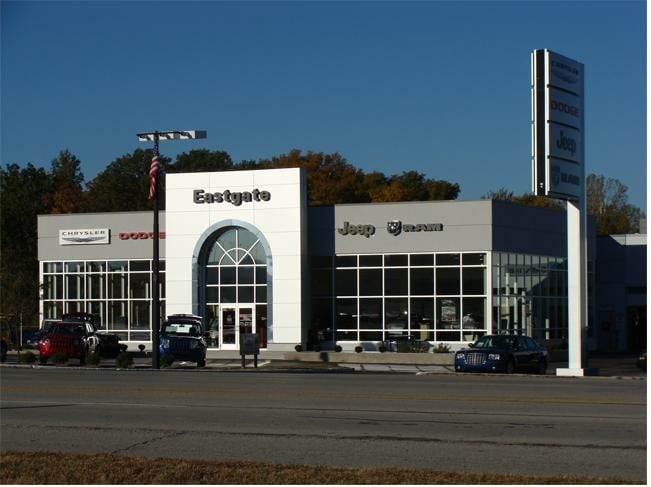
(84, 236)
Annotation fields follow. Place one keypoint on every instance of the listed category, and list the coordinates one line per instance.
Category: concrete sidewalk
(613, 365)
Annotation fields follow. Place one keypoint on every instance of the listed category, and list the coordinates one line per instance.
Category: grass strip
(62, 468)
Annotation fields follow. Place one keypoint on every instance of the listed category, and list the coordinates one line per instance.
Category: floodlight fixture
(171, 135)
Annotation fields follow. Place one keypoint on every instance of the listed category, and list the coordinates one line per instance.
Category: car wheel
(201, 362)
(82, 359)
(42, 359)
(542, 367)
(510, 367)
(3, 352)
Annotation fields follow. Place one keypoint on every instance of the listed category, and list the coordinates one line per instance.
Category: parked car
(108, 345)
(71, 339)
(183, 338)
(31, 340)
(502, 353)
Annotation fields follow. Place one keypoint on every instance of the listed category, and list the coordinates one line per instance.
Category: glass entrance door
(236, 320)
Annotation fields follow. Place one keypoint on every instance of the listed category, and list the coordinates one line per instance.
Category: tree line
(28, 191)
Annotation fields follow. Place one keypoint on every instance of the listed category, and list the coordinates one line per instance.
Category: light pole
(154, 169)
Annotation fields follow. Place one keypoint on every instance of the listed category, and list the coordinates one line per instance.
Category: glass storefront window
(346, 313)
(370, 261)
(139, 286)
(75, 288)
(53, 267)
(370, 313)
(117, 291)
(53, 287)
(118, 266)
(448, 259)
(421, 260)
(139, 266)
(422, 282)
(370, 282)
(395, 282)
(447, 280)
(75, 267)
(473, 280)
(346, 282)
(395, 260)
(98, 266)
(447, 312)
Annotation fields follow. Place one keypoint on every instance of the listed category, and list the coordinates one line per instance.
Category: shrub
(382, 348)
(359, 349)
(93, 358)
(338, 348)
(298, 348)
(441, 348)
(59, 358)
(124, 360)
(28, 357)
(166, 360)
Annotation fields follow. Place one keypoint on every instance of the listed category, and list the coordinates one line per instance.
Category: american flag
(153, 172)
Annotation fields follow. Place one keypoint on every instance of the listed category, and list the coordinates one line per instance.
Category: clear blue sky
(439, 87)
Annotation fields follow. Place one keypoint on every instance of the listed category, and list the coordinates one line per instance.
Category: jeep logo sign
(365, 230)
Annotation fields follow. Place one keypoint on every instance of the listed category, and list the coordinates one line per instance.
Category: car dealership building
(245, 251)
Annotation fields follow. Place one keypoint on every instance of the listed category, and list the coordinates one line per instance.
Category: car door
(522, 352)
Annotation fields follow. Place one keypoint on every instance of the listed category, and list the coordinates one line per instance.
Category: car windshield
(182, 329)
(495, 342)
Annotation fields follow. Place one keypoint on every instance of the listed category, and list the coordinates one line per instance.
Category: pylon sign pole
(558, 171)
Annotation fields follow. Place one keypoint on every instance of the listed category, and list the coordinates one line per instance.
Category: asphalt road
(474, 423)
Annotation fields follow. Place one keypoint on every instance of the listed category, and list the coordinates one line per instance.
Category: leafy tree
(25, 193)
(202, 160)
(607, 201)
(67, 178)
(413, 186)
(330, 178)
(124, 184)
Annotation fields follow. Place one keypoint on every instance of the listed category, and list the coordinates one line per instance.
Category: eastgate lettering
(236, 198)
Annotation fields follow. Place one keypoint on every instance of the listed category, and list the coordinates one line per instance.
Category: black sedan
(502, 353)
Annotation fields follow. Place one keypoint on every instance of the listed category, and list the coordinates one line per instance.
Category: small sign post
(249, 345)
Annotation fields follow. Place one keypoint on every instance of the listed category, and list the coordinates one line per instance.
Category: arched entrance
(233, 284)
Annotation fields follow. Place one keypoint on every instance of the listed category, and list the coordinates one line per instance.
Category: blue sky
(438, 87)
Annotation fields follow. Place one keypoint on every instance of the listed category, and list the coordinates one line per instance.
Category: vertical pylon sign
(558, 171)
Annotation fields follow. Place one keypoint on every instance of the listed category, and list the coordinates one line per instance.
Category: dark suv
(183, 338)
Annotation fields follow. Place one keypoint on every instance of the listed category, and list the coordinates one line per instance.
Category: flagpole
(155, 295)
(154, 168)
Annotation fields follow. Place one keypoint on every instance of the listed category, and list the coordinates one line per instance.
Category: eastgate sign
(394, 227)
(236, 198)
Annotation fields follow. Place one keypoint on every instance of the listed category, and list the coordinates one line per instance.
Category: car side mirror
(471, 345)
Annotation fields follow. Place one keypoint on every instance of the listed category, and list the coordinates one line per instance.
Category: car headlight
(493, 356)
(165, 343)
(461, 356)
